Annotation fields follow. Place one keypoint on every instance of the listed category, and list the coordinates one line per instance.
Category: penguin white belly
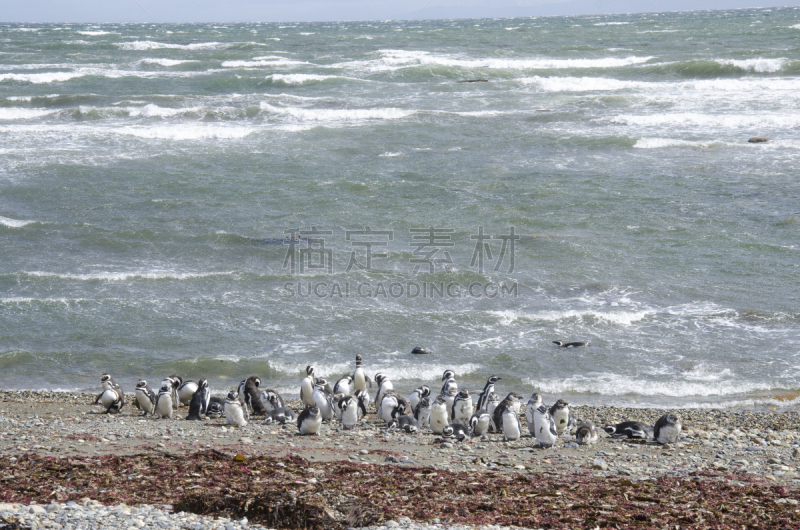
(482, 427)
(545, 428)
(529, 417)
(561, 418)
(145, 404)
(385, 387)
(321, 400)
(109, 398)
(234, 414)
(463, 411)
(359, 380)
(669, 434)
(388, 404)
(186, 391)
(307, 391)
(311, 425)
(439, 419)
(511, 427)
(350, 415)
(164, 406)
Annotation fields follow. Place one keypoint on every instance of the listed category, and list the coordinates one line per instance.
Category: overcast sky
(313, 10)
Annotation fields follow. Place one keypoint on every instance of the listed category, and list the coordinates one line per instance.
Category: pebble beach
(40, 430)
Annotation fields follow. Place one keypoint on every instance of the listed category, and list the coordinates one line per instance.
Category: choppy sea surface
(225, 200)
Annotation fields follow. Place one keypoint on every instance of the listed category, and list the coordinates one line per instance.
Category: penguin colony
(452, 414)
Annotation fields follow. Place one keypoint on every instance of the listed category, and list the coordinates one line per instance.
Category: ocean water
(225, 200)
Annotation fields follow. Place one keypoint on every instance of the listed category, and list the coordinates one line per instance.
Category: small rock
(446, 445)
(390, 459)
(796, 452)
(364, 452)
(600, 464)
(391, 524)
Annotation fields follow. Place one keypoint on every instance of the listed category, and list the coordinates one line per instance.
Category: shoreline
(731, 449)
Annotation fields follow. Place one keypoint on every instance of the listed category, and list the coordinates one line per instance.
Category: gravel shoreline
(732, 447)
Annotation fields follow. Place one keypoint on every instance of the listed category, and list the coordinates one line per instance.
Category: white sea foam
(166, 62)
(150, 111)
(611, 384)
(758, 65)
(338, 115)
(47, 77)
(619, 317)
(188, 132)
(15, 113)
(390, 154)
(274, 60)
(659, 143)
(13, 223)
(583, 84)
(125, 276)
(611, 23)
(96, 33)
(140, 45)
(754, 121)
(299, 79)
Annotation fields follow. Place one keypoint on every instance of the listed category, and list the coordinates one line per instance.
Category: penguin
(511, 401)
(570, 344)
(280, 415)
(387, 406)
(460, 431)
(271, 400)
(186, 392)
(363, 400)
(488, 388)
(512, 429)
(309, 421)
(450, 398)
(164, 406)
(360, 378)
(344, 386)
(667, 429)
(533, 403)
(439, 416)
(403, 421)
(251, 391)
(630, 429)
(174, 381)
(111, 400)
(307, 387)
(235, 413)
(491, 405)
(587, 433)
(348, 411)
(384, 385)
(422, 413)
(322, 399)
(449, 378)
(420, 351)
(107, 383)
(199, 403)
(560, 415)
(216, 407)
(335, 400)
(546, 433)
(417, 395)
(145, 398)
(462, 407)
(480, 423)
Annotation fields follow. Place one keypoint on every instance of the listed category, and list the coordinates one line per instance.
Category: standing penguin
(667, 429)
(533, 403)
(417, 395)
(450, 398)
(387, 406)
(384, 385)
(323, 400)
(449, 378)
(488, 388)
(348, 415)
(164, 401)
(480, 423)
(440, 416)
(234, 411)
(462, 407)
(200, 400)
(546, 433)
(271, 400)
(587, 433)
(145, 398)
(172, 382)
(560, 414)
(363, 401)
(251, 391)
(309, 421)
(111, 403)
(512, 401)
(344, 385)
(307, 387)
(512, 429)
(423, 412)
(491, 405)
(360, 378)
